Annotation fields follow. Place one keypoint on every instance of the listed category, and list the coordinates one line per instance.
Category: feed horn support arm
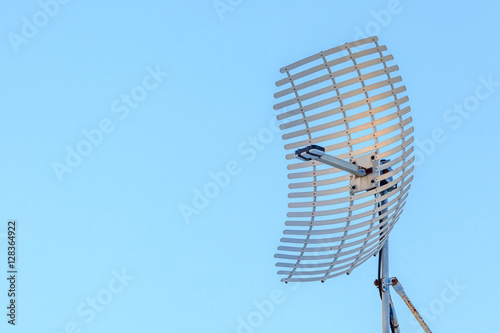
(317, 153)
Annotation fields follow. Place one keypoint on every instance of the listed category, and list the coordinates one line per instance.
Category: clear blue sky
(161, 96)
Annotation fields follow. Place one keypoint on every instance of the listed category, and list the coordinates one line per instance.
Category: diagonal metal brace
(401, 292)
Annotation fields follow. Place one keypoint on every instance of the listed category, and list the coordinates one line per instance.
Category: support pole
(386, 295)
(384, 258)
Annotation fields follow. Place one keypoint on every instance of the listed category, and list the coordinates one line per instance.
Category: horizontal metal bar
(341, 97)
(361, 139)
(362, 259)
(379, 236)
(325, 264)
(392, 195)
(336, 190)
(373, 238)
(345, 132)
(397, 149)
(305, 249)
(340, 270)
(395, 171)
(330, 63)
(315, 279)
(353, 208)
(327, 77)
(328, 52)
(336, 86)
(319, 182)
(394, 161)
(294, 257)
(320, 265)
(334, 230)
(318, 272)
(310, 118)
(404, 154)
(346, 120)
(350, 219)
(335, 268)
(357, 196)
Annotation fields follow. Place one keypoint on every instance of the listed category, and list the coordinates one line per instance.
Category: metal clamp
(394, 282)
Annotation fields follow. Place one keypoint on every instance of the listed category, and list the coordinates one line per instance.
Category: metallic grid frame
(346, 100)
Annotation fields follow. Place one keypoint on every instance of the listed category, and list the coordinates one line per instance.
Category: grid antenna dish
(348, 100)
(345, 119)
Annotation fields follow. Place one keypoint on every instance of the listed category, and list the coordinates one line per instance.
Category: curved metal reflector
(348, 100)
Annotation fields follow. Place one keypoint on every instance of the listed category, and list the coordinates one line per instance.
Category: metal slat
(395, 171)
(316, 232)
(378, 237)
(340, 97)
(293, 257)
(346, 107)
(362, 259)
(319, 272)
(339, 122)
(346, 209)
(357, 196)
(353, 217)
(319, 257)
(359, 140)
(328, 264)
(336, 268)
(330, 248)
(330, 64)
(395, 161)
(318, 193)
(340, 211)
(286, 280)
(397, 149)
(319, 182)
(328, 52)
(359, 128)
(327, 77)
(337, 86)
(322, 264)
